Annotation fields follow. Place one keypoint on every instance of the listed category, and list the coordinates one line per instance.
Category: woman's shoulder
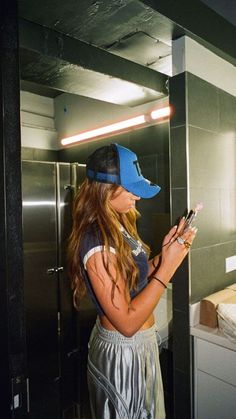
(92, 232)
(92, 237)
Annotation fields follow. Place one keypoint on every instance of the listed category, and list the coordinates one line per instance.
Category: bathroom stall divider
(56, 336)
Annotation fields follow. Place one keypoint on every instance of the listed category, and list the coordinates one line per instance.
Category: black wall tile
(178, 157)
(182, 395)
(148, 164)
(208, 220)
(227, 117)
(211, 159)
(202, 104)
(212, 180)
(177, 100)
(181, 341)
(150, 140)
(178, 204)
(202, 134)
(181, 288)
(208, 270)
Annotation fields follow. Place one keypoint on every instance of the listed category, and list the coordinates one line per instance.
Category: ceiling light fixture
(160, 113)
(138, 121)
(118, 126)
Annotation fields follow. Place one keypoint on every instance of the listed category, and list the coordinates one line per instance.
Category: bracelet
(162, 283)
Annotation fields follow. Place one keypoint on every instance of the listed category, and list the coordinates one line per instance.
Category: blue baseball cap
(125, 172)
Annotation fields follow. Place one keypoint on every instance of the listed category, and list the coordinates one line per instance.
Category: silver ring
(180, 240)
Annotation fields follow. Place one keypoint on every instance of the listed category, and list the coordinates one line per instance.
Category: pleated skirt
(124, 376)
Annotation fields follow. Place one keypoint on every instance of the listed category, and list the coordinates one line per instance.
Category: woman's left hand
(175, 247)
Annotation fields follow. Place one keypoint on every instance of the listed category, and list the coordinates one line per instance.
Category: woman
(110, 261)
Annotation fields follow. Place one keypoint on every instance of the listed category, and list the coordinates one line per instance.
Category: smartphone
(191, 217)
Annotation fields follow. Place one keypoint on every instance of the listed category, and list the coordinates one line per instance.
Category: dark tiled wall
(203, 169)
(212, 179)
(152, 148)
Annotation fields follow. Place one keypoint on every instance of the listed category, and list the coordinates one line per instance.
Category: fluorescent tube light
(160, 113)
(118, 126)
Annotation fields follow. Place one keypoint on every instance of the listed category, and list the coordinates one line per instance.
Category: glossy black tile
(181, 341)
(180, 287)
(182, 395)
(210, 159)
(177, 100)
(208, 220)
(178, 157)
(152, 229)
(150, 140)
(208, 273)
(178, 204)
(203, 103)
(148, 164)
(227, 117)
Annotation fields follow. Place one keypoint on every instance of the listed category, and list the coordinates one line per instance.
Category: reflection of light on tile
(227, 168)
(228, 211)
(42, 204)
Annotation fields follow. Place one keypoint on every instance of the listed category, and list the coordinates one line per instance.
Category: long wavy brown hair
(92, 207)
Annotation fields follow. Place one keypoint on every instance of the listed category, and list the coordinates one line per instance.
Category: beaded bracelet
(162, 283)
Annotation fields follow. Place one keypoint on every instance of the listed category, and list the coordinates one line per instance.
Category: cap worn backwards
(130, 176)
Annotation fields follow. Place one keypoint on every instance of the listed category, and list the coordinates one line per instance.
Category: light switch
(230, 264)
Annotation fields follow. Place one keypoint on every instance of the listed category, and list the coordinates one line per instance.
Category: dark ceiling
(118, 51)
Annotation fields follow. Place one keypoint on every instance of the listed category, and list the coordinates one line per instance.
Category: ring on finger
(187, 244)
(180, 240)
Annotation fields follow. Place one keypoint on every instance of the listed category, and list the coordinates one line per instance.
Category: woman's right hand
(174, 249)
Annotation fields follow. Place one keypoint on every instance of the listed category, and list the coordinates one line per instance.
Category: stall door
(41, 288)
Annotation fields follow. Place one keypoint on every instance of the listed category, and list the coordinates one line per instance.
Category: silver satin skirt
(124, 376)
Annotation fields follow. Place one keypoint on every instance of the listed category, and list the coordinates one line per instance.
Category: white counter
(212, 335)
(205, 332)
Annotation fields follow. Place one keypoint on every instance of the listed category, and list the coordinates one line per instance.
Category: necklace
(136, 245)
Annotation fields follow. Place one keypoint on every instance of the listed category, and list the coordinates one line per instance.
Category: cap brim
(143, 188)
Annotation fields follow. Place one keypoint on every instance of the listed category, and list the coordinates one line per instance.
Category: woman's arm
(153, 264)
(129, 318)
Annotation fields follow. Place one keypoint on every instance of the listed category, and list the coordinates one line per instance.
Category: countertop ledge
(212, 335)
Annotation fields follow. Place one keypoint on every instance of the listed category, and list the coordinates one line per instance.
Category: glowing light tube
(160, 113)
(42, 204)
(118, 126)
